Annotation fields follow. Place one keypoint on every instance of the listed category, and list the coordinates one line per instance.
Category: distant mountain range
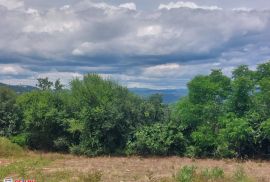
(20, 88)
(169, 95)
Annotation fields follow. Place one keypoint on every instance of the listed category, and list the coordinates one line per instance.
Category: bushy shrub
(44, 117)
(76, 150)
(240, 175)
(212, 173)
(20, 139)
(61, 144)
(186, 174)
(10, 123)
(220, 117)
(157, 139)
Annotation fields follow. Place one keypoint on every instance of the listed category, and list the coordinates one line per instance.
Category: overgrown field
(52, 167)
(221, 117)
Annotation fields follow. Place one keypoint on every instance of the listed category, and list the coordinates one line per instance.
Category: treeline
(220, 117)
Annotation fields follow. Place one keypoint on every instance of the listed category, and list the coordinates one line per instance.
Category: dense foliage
(220, 117)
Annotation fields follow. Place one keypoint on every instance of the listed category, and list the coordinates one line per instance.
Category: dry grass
(115, 169)
(132, 169)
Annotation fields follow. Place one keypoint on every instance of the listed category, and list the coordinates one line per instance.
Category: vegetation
(220, 117)
(193, 174)
(21, 164)
(8, 149)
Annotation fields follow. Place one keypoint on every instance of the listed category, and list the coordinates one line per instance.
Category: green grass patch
(66, 176)
(8, 149)
(34, 168)
(22, 167)
(216, 174)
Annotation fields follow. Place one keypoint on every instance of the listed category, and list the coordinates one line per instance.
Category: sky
(156, 44)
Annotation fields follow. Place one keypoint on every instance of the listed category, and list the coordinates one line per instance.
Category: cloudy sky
(158, 44)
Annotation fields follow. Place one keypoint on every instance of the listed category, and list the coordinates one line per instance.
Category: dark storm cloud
(158, 47)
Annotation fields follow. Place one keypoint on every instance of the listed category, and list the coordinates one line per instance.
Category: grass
(192, 174)
(8, 149)
(17, 163)
(22, 167)
(186, 174)
(67, 176)
(34, 168)
(28, 165)
(240, 175)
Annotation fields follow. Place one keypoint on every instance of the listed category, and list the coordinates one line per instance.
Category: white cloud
(52, 21)
(242, 9)
(164, 70)
(149, 30)
(191, 5)
(65, 7)
(60, 32)
(16, 81)
(32, 11)
(131, 6)
(89, 48)
(165, 47)
(10, 69)
(12, 4)
(65, 77)
(51, 27)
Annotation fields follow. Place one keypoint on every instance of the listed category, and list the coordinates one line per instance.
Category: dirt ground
(137, 169)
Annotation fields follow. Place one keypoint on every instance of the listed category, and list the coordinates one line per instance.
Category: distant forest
(221, 117)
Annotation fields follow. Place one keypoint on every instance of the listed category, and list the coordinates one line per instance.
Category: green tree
(109, 114)
(236, 137)
(158, 139)
(263, 71)
(58, 86)
(44, 84)
(243, 71)
(241, 100)
(9, 113)
(45, 120)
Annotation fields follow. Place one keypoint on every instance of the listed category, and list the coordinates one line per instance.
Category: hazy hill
(169, 95)
(19, 88)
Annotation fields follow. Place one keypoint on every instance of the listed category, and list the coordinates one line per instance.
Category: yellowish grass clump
(8, 149)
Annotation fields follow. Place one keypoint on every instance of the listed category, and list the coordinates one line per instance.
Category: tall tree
(44, 84)
(58, 85)
(9, 113)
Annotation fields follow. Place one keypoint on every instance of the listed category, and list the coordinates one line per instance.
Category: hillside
(169, 95)
(19, 88)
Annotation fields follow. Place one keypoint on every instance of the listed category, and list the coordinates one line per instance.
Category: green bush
(186, 174)
(20, 139)
(157, 139)
(75, 149)
(212, 174)
(192, 151)
(109, 114)
(10, 123)
(61, 144)
(44, 117)
(220, 117)
(240, 175)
